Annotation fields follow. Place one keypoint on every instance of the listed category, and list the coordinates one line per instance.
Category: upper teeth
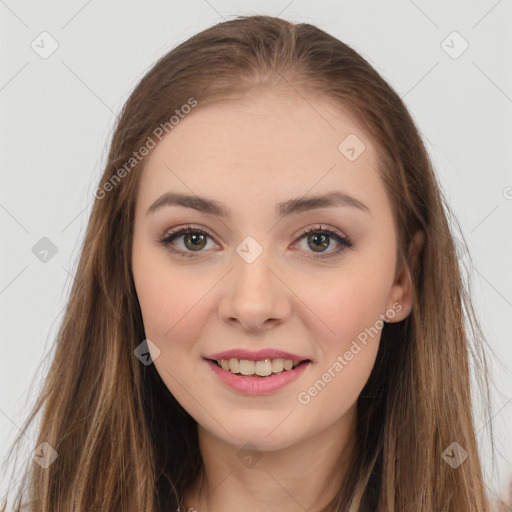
(261, 368)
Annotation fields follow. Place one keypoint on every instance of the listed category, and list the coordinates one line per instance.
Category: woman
(268, 308)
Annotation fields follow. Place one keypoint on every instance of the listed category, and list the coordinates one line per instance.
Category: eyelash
(344, 241)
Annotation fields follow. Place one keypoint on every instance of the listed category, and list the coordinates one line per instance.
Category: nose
(254, 296)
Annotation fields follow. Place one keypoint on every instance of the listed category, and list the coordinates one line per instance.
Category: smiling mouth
(258, 369)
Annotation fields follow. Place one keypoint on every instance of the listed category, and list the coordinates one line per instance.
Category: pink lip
(258, 385)
(259, 355)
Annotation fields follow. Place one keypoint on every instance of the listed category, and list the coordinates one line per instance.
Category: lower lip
(258, 385)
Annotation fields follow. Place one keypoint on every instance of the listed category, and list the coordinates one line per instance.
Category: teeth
(246, 367)
(261, 368)
(277, 365)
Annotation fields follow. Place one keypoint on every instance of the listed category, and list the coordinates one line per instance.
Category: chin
(265, 436)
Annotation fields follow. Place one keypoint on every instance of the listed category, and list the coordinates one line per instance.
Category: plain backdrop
(67, 68)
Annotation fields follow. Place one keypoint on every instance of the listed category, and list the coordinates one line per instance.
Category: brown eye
(318, 242)
(187, 240)
(194, 241)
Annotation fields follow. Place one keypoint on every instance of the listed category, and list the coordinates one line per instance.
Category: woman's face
(250, 280)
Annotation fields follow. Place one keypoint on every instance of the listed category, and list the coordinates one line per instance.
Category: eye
(320, 238)
(194, 240)
(317, 239)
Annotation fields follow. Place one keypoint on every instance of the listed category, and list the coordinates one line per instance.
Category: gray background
(57, 114)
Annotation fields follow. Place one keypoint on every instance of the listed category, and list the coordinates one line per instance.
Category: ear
(402, 291)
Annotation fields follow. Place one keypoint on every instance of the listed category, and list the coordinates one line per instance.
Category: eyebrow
(283, 209)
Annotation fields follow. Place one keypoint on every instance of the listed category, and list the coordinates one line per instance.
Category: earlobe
(402, 292)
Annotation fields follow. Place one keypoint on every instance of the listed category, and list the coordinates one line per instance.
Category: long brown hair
(123, 442)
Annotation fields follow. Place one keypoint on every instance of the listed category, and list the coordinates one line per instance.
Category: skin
(251, 153)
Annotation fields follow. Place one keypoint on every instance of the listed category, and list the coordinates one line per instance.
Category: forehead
(273, 144)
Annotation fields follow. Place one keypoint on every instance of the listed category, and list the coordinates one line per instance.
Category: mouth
(260, 369)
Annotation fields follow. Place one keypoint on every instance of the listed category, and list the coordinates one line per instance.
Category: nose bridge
(254, 296)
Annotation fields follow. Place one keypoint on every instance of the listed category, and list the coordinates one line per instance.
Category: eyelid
(183, 229)
(320, 227)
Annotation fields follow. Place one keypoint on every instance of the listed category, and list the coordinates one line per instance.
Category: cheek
(173, 316)
(333, 392)
(170, 299)
(349, 305)
(347, 333)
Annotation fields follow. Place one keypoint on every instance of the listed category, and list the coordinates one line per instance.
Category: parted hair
(124, 443)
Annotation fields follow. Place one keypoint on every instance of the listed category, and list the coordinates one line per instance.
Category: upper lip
(258, 355)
